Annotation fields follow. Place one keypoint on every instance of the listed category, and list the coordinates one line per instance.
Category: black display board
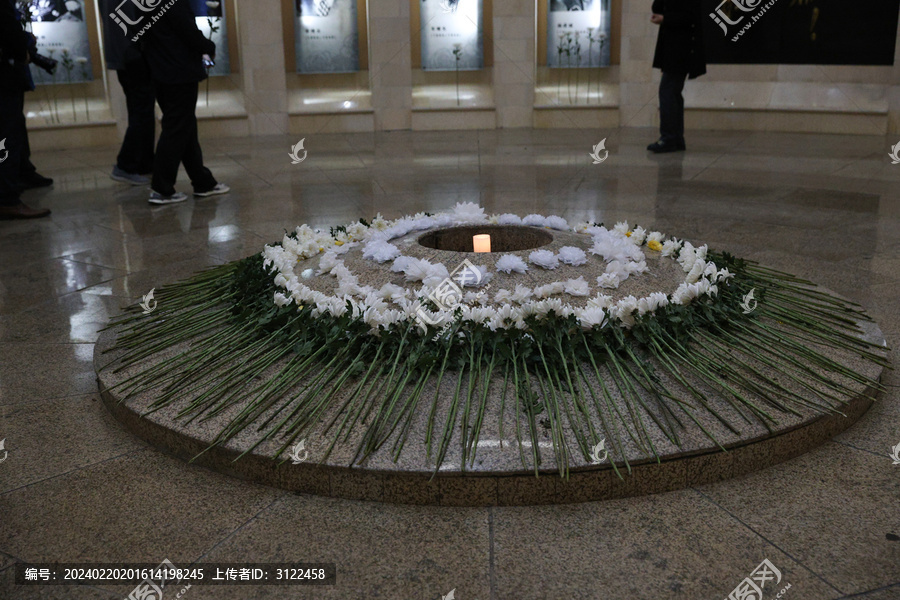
(819, 32)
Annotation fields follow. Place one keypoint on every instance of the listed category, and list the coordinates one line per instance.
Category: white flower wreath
(620, 248)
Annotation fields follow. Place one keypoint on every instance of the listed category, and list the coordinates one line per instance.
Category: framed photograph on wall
(578, 33)
(452, 35)
(61, 29)
(326, 36)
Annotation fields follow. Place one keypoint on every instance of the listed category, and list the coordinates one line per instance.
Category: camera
(44, 62)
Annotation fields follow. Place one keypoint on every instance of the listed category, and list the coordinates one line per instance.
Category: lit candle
(482, 242)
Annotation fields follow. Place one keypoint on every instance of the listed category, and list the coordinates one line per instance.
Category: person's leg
(12, 153)
(671, 108)
(174, 138)
(28, 175)
(201, 178)
(679, 114)
(136, 153)
(26, 168)
(11, 156)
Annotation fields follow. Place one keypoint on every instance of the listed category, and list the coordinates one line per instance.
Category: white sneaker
(220, 188)
(157, 198)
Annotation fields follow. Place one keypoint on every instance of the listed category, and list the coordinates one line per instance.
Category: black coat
(118, 48)
(679, 47)
(174, 46)
(14, 43)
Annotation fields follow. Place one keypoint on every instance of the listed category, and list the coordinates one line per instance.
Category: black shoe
(34, 180)
(662, 147)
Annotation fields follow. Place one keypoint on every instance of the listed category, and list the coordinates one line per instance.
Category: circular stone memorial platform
(386, 361)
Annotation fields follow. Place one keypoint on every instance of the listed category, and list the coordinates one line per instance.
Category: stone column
(514, 68)
(638, 83)
(262, 66)
(390, 70)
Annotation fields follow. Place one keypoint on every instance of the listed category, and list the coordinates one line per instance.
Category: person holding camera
(16, 171)
(174, 48)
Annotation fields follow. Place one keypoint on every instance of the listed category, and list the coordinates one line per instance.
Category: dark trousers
(178, 140)
(671, 108)
(136, 153)
(15, 152)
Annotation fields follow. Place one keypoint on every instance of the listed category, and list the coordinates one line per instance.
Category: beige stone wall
(262, 99)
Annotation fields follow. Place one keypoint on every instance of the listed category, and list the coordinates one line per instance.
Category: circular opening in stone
(504, 238)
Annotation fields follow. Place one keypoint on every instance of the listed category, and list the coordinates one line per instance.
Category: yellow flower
(654, 245)
(338, 243)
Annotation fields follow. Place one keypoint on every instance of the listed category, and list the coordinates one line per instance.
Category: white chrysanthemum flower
(473, 276)
(591, 316)
(379, 223)
(558, 223)
(400, 263)
(477, 314)
(608, 280)
(581, 227)
(281, 299)
(577, 287)
(357, 231)
(684, 295)
(622, 228)
(638, 236)
(509, 219)
(631, 267)
(616, 267)
(341, 250)
(393, 292)
(416, 269)
(328, 262)
(687, 257)
(644, 306)
(544, 258)
(658, 300)
(468, 211)
(347, 287)
(503, 296)
(280, 280)
(534, 220)
(724, 275)
(600, 301)
(671, 247)
(625, 309)
(510, 262)
(543, 307)
(522, 294)
(380, 251)
(482, 297)
(701, 252)
(695, 272)
(550, 289)
(655, 236)
(572, 256)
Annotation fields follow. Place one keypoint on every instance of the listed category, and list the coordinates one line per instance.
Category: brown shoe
(22, 211)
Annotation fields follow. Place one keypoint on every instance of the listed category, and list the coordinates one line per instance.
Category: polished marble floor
(76, 488)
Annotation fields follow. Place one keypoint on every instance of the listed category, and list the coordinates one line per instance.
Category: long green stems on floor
(218, 347)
